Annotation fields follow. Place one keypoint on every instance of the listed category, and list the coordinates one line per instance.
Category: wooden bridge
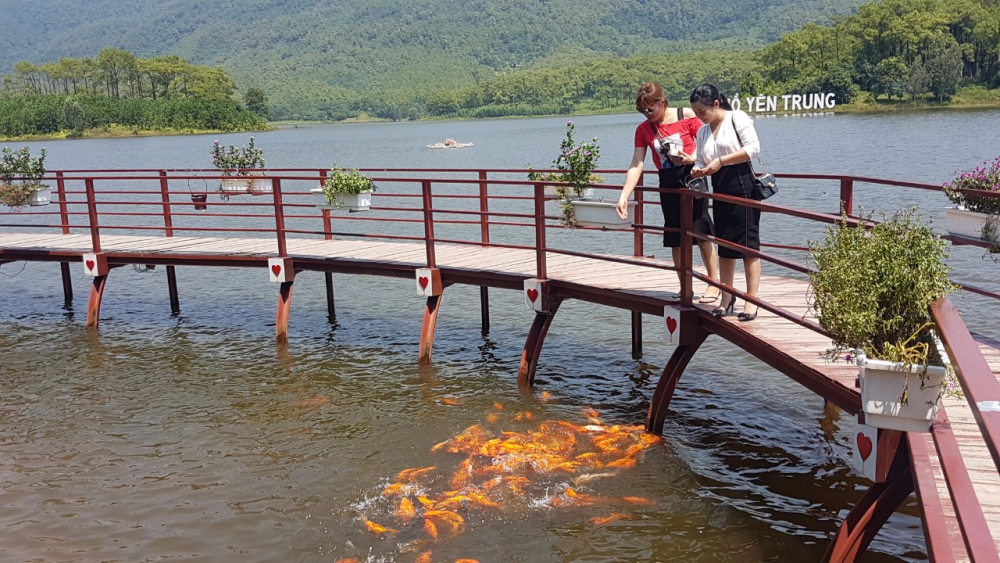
(141, 217)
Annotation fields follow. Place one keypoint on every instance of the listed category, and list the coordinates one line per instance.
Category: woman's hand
(682, 159)
(712, 167)
(698, 172)
(622, 207)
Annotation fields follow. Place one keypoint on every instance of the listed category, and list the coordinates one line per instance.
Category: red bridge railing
(499, 208)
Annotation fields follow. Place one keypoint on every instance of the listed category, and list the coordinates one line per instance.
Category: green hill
(315, 56)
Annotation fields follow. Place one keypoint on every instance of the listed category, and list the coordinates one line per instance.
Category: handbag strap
(732, 121)
(656, 130)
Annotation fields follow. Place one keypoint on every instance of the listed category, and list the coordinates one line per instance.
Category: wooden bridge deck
(796, 351)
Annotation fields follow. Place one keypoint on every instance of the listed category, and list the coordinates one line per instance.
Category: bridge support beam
(284, 307)
(875, 507)
(331, 311)
(175, 301)
(94, 304)
(427, 329)
(67, 283)
(533, 344)
(692, 335)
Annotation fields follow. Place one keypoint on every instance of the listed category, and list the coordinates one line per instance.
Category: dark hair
(648, 94)
(708, 94)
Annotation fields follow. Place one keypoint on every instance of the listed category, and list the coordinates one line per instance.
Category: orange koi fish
(522, 416)
(412, 474)
(428, 503)
(498, 406)
(431, 529)
(379, 530)
(425, 557)
(406, 511)
(600, 521)
(546, 397)
(639, 501)
(452, 401)
(446, 519)
(492, 418)
(466, 561)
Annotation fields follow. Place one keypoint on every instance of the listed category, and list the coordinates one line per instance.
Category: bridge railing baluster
(279, 217)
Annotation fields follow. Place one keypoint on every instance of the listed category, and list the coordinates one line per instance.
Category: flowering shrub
(576, 164)
(986, 178)
(235, 161)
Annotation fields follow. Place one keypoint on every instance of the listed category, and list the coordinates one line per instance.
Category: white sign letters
(786, 102)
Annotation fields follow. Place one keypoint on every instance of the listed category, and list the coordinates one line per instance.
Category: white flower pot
(965, 223)
(41, 197)
(260, 186)
(235, 185)
(352, 202)
(550, 191)
(881, 389)
(602, 214)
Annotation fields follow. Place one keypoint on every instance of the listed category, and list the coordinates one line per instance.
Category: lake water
(195, 437)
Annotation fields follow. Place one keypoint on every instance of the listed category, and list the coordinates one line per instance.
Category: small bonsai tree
(20, 176)
(345, 182)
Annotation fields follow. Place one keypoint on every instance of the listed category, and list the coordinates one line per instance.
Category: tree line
(118, 88)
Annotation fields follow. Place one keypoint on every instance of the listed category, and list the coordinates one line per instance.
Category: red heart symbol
(532, 294)
(671, 324)
(864, 446)
(90, 264)
(276, 270)
(423, 282)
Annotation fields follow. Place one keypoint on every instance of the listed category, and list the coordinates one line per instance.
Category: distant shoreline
(116, 132)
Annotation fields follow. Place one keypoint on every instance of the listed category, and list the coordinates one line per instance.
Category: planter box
(965, 223)
(235, 186)
(550, 191)
(260, 186)
(602, 214)
(41, 197)
(882, 386)
(359, 202)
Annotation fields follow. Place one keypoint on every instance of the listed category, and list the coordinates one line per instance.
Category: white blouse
(710, 148)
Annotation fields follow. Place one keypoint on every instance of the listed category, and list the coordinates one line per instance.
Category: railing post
(95, 233)
(540, 266)
(327, 224)
(165, 197)
(637, 244)
(685, 267)
(484, 208)
(847, 195)
(279, 217)
(428, 223)
(63, 209)
(484, 236)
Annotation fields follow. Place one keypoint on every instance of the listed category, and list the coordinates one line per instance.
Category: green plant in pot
(345, 188)
(872, 289)
(239, 163)
(21, 177)
(975, 216)
(576, 163)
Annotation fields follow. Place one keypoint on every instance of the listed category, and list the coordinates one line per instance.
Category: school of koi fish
(502, 470)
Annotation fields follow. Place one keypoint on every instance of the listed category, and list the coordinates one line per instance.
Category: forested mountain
(315, 57)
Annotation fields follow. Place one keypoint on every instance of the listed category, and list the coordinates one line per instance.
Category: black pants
(673, 177)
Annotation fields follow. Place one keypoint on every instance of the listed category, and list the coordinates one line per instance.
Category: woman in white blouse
(726, 144)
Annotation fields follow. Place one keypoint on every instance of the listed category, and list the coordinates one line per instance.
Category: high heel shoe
(720, 312)
(747, 317)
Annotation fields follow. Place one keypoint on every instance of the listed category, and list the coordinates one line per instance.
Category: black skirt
(673, 177)
(733, 222)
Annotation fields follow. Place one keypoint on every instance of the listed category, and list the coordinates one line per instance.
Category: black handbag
(763, 182)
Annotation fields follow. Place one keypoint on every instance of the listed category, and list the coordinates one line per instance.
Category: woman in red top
(678, 128)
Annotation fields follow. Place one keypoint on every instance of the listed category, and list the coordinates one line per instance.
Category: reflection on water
(194, 436)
